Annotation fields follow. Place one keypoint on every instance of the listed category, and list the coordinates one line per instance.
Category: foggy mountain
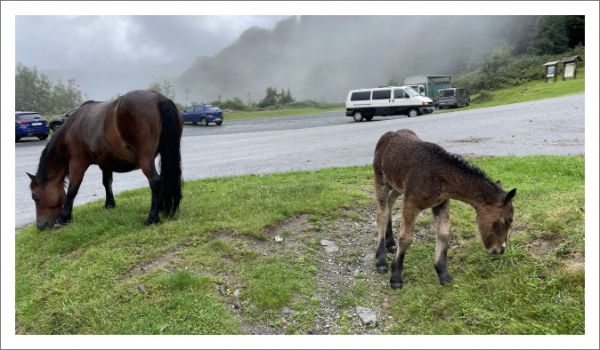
(322, 57)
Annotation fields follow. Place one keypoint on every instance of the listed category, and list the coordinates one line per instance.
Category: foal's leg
(107, 178)
(441, 217)
(149, 170)
(382, 191)
(76, 171)
(390, 244)
(405, 239)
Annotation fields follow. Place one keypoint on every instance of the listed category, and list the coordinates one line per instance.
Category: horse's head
(494, 221)
(49, 197)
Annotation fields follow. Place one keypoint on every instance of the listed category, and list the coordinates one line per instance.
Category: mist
(322, 57)
(211, 57)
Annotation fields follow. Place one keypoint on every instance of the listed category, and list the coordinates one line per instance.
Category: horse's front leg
(405, 239)
(107, 178)
(76, 171)
(149, 170)
(441, 217)
(390, 244)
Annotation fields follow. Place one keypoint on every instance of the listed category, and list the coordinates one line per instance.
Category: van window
(446, 93)
(400, 93)
(360, 96)
(382, 94)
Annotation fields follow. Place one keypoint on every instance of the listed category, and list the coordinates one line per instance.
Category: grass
(531, 91)
(242, 115)
(107, 274)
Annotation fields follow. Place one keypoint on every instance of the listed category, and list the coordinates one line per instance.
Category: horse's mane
(42, 172)
(458, 162)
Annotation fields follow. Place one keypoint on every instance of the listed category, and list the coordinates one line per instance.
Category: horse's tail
(170, 158)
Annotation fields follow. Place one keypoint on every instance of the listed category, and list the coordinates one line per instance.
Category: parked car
(364, 104)
(57, 121)
(203, 114)
(30, 124)
(454, 97)
(430, 84)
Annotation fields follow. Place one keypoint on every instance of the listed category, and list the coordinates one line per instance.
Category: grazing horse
(428, 177)
(120, 135)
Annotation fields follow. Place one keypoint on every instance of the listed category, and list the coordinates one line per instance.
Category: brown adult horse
(120, 135)
(429, 177)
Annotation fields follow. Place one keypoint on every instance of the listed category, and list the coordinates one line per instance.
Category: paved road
(553, 126)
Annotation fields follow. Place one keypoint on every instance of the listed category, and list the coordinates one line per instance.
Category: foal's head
(49, 197)
(494, 221)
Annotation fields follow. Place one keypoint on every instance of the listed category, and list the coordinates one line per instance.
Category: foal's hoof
(382, 269)
(396, 284)
(109, 205)
(445, 279)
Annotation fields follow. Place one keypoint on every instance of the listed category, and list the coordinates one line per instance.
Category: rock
(367, 316)
(236, 293)
(330, 247)
(287, 311)
(278, 239)
(142, 288)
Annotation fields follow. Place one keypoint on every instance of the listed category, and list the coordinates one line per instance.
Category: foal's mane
(458, 162)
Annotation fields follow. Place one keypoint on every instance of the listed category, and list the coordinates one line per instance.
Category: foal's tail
(170, 158)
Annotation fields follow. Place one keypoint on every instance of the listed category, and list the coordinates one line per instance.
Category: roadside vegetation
(245, 256)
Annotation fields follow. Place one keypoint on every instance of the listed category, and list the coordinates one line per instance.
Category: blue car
(203, 114)
(30, 124)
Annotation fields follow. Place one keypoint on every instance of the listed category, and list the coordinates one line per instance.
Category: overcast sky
(104, 42)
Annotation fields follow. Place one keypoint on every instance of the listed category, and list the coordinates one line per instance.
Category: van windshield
(411, 92)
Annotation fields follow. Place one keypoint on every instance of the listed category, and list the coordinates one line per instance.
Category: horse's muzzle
(45, 225)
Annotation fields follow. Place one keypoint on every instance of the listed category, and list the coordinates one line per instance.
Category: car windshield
(29, 116)
(411, 92)
(446, 93)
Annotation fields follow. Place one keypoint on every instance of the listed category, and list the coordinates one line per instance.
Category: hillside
(321, 57)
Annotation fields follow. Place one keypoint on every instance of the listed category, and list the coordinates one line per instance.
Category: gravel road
(551, 126)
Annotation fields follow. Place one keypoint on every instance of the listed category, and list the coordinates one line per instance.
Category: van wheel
(358, 116)
(413, 113)
(368, 118)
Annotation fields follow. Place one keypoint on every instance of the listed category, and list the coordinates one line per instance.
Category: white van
(364, 104)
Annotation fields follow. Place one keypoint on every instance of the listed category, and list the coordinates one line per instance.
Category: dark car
(57, 121)
(454, 97)
(203, 114)
(30, 124)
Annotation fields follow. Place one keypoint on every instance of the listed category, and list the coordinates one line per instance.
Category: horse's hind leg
(441, 217)
(107, 178)
(390, 244)
(149, 170)
(409, 216)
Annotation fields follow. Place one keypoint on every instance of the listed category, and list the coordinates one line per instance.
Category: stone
(278, 239)
(366, 315)
(330, 247)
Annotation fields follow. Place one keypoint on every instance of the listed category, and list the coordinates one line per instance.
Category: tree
(165, 87)
(271, 98)
(32, 90)
(65, 97)
(550, 36)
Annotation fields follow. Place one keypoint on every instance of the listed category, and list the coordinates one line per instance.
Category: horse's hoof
(149, 222)
(57, 225)
(109, 205)
(383, 269)
(391, 248)
(396, 284)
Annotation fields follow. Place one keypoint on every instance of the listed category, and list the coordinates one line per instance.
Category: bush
(482, 96)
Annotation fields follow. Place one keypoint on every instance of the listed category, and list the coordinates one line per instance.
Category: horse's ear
(32, 177)
(510, 195)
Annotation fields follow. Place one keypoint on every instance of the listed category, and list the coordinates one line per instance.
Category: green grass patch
(531, 91)
(105, 273)
(284, 112)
